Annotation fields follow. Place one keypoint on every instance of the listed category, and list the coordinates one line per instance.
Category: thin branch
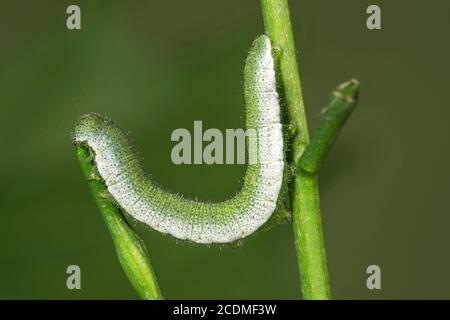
(343, 102)
(130, 249)
(304, 189)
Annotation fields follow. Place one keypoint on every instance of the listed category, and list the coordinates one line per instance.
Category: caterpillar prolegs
(183, 218)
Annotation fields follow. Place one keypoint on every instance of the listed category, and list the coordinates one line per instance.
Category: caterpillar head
(87, 127)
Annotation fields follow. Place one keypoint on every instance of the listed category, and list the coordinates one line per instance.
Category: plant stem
(304, 189)
(343, 102)
(130, 249)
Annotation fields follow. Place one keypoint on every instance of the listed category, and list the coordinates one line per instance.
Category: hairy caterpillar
(187, 219)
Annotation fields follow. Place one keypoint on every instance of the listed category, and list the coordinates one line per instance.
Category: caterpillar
(186, 219)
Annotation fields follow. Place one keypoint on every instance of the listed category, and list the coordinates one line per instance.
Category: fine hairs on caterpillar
(188, 219)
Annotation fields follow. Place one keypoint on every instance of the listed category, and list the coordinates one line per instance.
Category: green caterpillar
(187, 219)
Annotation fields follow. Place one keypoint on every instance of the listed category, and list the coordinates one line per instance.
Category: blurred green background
(158, 65)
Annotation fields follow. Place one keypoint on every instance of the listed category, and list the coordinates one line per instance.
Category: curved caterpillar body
(183, 218)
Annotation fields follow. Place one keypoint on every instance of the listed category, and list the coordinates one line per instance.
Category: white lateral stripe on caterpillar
(183, 218)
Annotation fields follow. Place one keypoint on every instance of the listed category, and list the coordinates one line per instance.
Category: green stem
(343, 102)
(304, 190)
(130, 249)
